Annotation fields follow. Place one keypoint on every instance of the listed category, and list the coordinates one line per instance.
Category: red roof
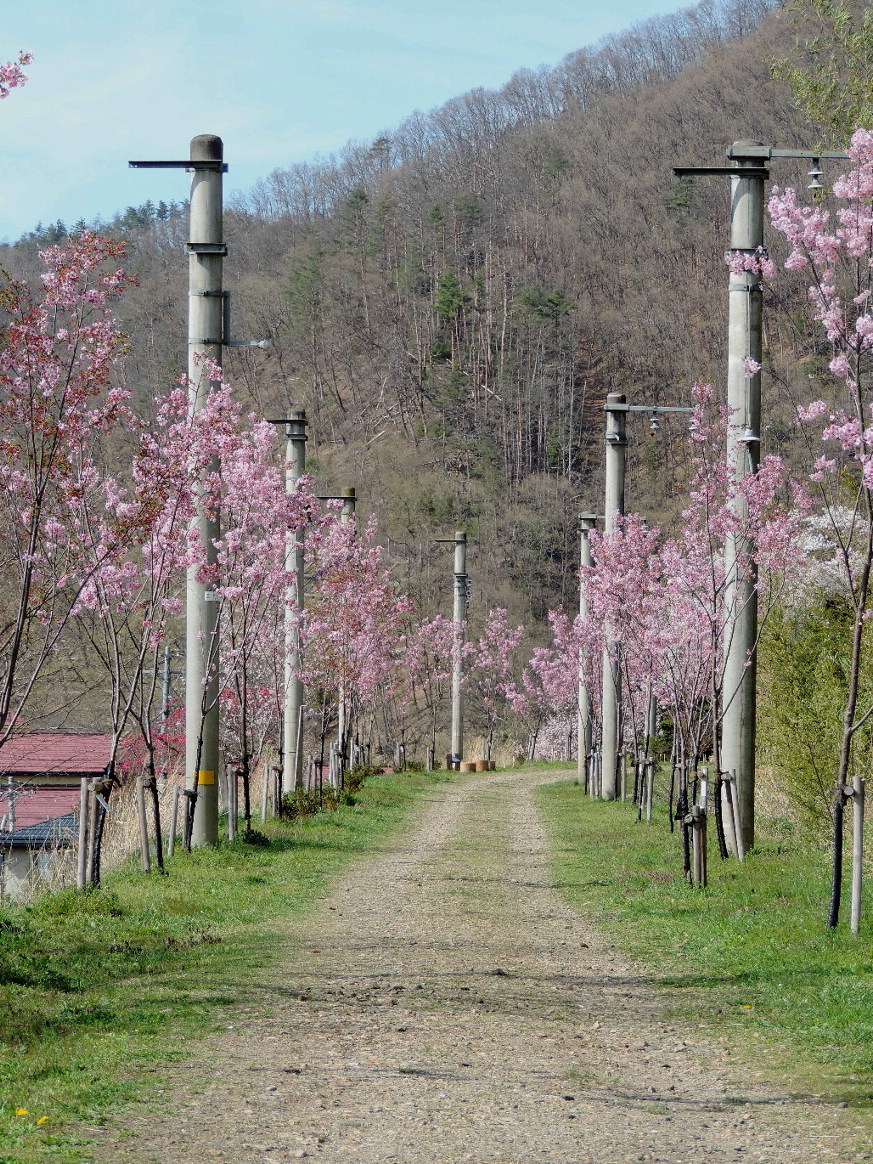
(33, 805)
(55, 754)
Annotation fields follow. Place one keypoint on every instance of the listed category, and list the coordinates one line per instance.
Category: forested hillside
(452, 301)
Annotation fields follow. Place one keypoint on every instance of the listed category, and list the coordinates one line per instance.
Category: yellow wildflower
(42, 1120)
(22, 1111)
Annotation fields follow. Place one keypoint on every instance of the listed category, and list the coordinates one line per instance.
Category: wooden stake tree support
(587, 522)
(697, 820)
(858, 790)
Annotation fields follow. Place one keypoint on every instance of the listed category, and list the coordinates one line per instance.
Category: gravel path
(445, 1005)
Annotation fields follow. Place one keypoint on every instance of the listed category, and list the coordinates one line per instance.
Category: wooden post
(151, 786)
(230, 781)
(265, 792)
(174, 822)
(857, 850)
(729, 779)
(697, 819)
(82, 854)
(145, 855)
(92, 832)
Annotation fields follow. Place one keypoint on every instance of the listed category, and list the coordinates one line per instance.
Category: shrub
(302, 802)
(358, 773)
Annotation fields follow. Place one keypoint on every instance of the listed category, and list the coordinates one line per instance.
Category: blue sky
(281, 81)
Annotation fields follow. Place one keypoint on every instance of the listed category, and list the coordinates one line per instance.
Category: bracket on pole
(732, 171)
(299, 433)
(755, 152)
(188, 164)
(207, 249)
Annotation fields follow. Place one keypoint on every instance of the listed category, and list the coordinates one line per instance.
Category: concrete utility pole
(616, 449)
(745, 308)
(206, 251)
(206, 338)
(292, 720)
(587, 522)
(350, 500)
(460, 628)
(745, 311)
(167, 685)
(208, 335)
(347, 513)
(616, 409)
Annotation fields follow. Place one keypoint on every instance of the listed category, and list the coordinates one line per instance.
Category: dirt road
(445, 1005)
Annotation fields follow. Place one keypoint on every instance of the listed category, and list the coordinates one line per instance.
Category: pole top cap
(460, 535)
(755, 150)
(206, 147)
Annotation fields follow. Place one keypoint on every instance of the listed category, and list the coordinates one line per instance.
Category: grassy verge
(749, 955)
(94, 987)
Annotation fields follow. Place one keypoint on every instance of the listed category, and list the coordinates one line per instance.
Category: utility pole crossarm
(695, 171)
(186, 164)
(660, 408)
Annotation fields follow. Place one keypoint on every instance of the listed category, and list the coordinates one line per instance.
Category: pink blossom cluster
(658, 603)
(836, 249)
(353, 629)
(12, 74)
(757, 262)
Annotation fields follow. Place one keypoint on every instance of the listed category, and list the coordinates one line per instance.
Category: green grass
(749, 956)
(94, 987)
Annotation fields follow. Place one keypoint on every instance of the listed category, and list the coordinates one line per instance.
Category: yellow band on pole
(206, 776)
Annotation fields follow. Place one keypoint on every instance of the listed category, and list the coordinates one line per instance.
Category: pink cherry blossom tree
(664, 599)
(428, 657)
(623, 593)
(833, 249)
(253, 587)
(353, 627)
(139, 535)
(492, 668)
(57, 403)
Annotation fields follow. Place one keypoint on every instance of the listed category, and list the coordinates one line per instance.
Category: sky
(281, 81)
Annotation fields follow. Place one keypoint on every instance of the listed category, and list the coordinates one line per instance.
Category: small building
(37, 855)
(41, 775)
